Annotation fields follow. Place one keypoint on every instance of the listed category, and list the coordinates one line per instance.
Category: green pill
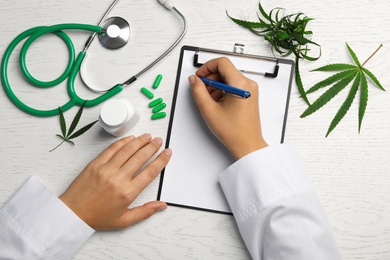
(159, 108)
(147, 93)
(155, 102)
(159, 115)
(157, 81)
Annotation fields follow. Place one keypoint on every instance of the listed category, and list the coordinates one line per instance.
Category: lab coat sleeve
(276, 208)
(36, 224)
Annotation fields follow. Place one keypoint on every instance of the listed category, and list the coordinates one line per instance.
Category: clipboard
(190, 178)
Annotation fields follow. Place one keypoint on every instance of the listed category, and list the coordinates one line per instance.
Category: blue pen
(226, 88)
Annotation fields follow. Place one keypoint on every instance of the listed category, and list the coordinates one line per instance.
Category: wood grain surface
(350, 171)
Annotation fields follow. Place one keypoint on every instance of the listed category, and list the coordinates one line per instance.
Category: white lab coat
(277, 211)
(273, 202)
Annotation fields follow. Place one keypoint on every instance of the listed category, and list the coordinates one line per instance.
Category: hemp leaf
(287, 35)
(345, 75)
(67, 136)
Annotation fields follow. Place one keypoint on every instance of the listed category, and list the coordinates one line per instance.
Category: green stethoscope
(113, 33)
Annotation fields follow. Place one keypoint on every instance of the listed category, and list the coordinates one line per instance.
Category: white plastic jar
(118, 116)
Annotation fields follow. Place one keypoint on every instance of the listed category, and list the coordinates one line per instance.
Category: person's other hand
(101, 194)
(233, 120)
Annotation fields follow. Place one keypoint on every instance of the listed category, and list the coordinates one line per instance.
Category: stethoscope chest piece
(116, 33)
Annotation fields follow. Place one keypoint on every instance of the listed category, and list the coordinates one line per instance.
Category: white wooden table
(350, 171)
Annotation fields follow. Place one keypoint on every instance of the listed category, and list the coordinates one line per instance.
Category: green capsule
(155, 102)
(159, 108)
(147, 93)
(159, 115)
(157, 81)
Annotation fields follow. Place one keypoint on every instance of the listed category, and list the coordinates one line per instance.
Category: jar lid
(114, 113)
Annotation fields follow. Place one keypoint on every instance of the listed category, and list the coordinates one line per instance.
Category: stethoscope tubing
(73, 67)
(70, 72)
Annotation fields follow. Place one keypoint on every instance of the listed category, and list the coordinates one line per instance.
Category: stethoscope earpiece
(167, 4)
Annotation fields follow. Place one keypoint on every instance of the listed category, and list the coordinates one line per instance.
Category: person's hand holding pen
(234, 121)
(101, 194)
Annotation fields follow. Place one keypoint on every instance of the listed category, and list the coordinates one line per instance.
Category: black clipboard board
(190, 178)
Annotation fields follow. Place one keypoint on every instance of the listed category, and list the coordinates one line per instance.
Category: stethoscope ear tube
(185, 27)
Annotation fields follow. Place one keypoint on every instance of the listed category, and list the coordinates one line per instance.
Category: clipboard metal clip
(238, 50)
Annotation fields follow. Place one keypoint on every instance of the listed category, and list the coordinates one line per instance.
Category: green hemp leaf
(345, 75)
(287, 35)
(67, 136)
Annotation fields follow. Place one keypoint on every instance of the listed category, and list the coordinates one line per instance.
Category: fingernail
(168, 152)
(131, 137)
(162, 207)
(158, 140)
(191, 79)
(147, 136)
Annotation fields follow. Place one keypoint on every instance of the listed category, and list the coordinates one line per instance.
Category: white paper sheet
(190, 178)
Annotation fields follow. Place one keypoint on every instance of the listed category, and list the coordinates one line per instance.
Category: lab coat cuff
(262, 178)
(42, 220)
